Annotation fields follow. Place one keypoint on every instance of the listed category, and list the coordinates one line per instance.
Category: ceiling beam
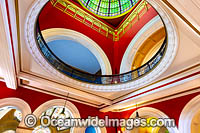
(6, 51)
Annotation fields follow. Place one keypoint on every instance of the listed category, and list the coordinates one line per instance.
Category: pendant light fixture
(137, 113)
(63, 111)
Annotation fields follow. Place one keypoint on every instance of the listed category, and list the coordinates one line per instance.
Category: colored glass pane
(106, 8)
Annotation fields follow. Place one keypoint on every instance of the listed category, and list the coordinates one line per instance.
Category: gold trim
(138, 12)
(74, 11)
(115, 34)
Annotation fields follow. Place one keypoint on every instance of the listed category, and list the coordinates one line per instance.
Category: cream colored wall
(190, 9)
(188, 55)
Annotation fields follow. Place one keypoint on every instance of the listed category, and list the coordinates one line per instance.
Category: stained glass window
(109, 8)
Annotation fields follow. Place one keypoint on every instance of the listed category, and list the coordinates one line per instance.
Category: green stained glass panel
(109, 7)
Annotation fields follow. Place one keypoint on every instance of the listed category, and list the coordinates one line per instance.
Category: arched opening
(149, 48)
(10, 118)
(70, 51)
(54, 112)
(151, 113)
(14, 108)
(189, 118)
(81, 41)
(133, 58)
(55, 109)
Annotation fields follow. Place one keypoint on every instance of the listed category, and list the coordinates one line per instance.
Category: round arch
(60, 102)
(188, 113)
(68, 34)
(152, 112)
(147, 30)
(19, 104)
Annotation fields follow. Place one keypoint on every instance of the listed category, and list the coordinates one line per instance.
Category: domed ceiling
(109, 45)
(109, 8)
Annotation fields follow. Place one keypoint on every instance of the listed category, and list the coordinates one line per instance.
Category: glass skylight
(109, 8)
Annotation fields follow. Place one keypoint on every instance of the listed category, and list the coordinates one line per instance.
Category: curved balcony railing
(92, 78)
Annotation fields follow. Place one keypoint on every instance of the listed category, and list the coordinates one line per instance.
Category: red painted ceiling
(51, 17)
(114, 23)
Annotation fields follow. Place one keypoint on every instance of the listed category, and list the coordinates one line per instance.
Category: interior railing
(92, 78)
(82, 16)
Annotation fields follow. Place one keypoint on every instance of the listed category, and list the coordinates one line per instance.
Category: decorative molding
(84, 17)
(60, 102)
(67, 34)
(163, 65)
(61, 89)
(147, 112)
(157, 93)
(20, 104)
(7, 55)
(13, 23)
(187, 114)
(147, 30)
(182, 10)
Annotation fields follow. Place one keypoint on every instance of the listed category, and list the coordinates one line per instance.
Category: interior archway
(67, 34)
(19, 104)
(60, 102)
(189, 118)
(10, 118)
(130, 53)
(149, 48)
(148, 112)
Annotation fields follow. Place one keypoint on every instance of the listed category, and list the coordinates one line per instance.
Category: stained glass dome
(109, 8)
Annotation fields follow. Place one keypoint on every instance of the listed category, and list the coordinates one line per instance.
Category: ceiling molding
(62, 90)
(156, 92)
(181, 16)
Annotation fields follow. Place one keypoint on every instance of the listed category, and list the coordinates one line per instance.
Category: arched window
(190, 117)
(55, 109)
(151, 113)
(55, 112)
(12, 113)
(10, 117)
